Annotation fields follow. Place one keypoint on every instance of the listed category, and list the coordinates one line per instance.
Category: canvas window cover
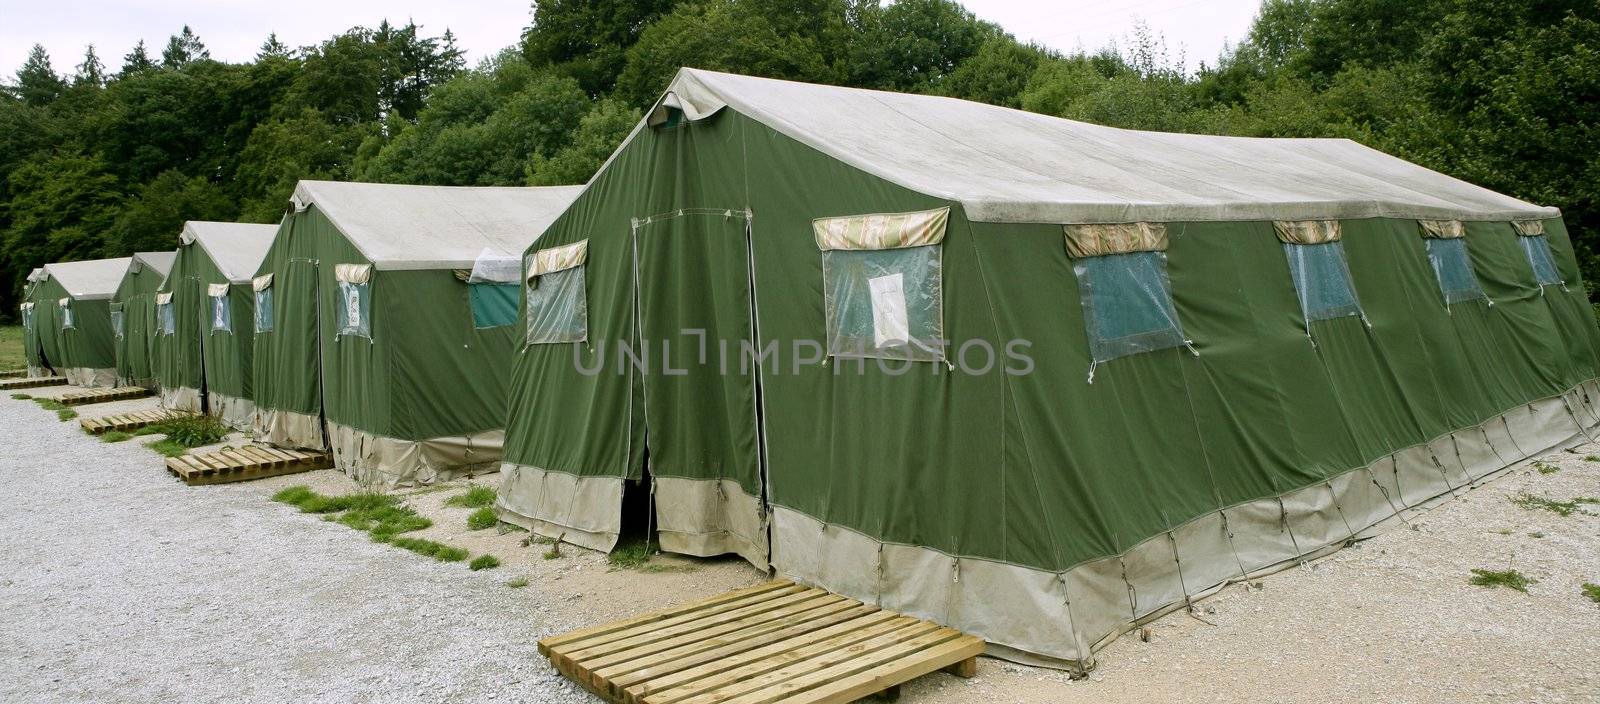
(166, 316)
(354, 315)
(221, 313)
(117, 328)
(67, 322)
(883, 288)
(558, 310)
(27, 317)
(261, 289)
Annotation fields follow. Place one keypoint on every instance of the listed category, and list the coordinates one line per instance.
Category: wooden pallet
(244, 463)
(129, 421)
(13, 374)
(776, 643)
(88, 396)
(32, 382)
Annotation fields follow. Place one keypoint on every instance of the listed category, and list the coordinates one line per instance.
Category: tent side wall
(136, 296)
(286, 367)
(86, 353)
(227, 343)
(32, 334)
(1037, 509)
(180, 370)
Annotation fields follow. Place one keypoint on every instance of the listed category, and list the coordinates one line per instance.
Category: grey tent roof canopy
(89, 280)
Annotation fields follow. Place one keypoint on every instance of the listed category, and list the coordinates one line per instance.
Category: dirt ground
(1392, 619)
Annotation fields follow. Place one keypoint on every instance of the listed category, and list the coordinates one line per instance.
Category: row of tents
(1032, 378)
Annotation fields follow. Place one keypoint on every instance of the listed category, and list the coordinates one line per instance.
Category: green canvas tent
(1035, 379)
(392, 324)
(32, 354)
(70, 316)
(133, 317)
(203, 310)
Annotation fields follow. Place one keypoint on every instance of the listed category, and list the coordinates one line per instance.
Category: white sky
(233, 29)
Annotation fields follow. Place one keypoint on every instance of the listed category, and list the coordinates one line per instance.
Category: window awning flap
(26, 306)
(1116, 238)
(1528, 228)
(549, 261)
(216, 290)
(64, 302)
(353, 273)
(1442, 229)
(1307, 231)
(163, 298)
(881, 231)
(262, 282)
(494, 267)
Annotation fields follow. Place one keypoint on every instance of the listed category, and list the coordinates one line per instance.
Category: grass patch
(632, 555)
(11, 353)
(482, 518)
(114, 436)
(1560, 508)
(1510, 579)
(476, 497)
(167, 448)
(484, 562)
(1545, 467)
(518, 583)
(189, 431)
(21, 397)
(1592, 591)
(380, 516)
(1591, 458)
(63, 412)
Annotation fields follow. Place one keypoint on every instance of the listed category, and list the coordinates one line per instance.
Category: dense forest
(99, 161)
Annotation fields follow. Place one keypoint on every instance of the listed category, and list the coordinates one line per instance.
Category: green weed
(1545, 467)
(189, 431)
(1591, 458)
(1592, 591)
(380, 516)
(482, 518)
(21, 397)
(167, 448)
(517, 583)
(484, 562)
(114, 436)
(475, 497)
(65, 414)
(1560, 508)
(420, 546)
(633, 555)
(1508, 578)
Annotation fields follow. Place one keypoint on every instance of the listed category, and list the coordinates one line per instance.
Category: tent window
(116, 324)
(1322, 280)
(1127, 304)
(221, 314)
(168, 320)
(67, 323)
(557, 309)
(885, 303)
(27, 318)
(493, 305)
(1542, 259)
(1451, 265)
(263, 312)
(355, 309)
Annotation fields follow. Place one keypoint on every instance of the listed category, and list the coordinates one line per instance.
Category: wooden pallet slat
(88, 396)
(233, 464)
(775, 643)
(32, 382)
(129, 421)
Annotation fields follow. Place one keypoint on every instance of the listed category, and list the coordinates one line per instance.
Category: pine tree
(91, 71)
(37, 82)
(136, 61)
(183, 48)
(273, 49)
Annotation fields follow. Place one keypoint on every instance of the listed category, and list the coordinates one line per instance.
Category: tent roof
(160, 261)
(1006, 165)
(236, 248)
(89, 280)
(435, 227)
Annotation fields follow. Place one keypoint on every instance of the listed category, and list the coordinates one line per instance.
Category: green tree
(183, 48)
(598, 135)
(151, 220)
(588, 39)
(37, 82)
(92, 71)
(135, 61)
(282, 151)
(914, 45)
(273, 49)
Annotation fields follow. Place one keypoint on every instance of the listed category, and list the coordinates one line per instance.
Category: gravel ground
(119, 584)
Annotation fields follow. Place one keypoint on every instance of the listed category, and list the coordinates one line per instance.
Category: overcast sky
(233, 29)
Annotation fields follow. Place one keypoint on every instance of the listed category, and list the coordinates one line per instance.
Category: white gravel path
(119, 584)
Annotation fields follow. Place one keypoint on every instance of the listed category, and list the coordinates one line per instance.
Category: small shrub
(482, 518)
(189, 431)
(475, 497)
(483, 562)
(518, 583)
(1508, 578)
(114, 436)
(1592, 591)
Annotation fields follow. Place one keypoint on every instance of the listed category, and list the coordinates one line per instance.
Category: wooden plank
(785, 665)
(662, 615)
(829, 667)
(689, 623)
(891, 673)
(665, 676)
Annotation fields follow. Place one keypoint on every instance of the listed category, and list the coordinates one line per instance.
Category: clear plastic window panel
(66, 318)
(116, 324)
(1454, 269)
(167, 319)
(1542, 260)
(355, 310)
(493, 305)
(221, 314)
(1127, 304)
(1322, 280)
(27, 319)
(557, 309)
(885, 303)
(263, 313)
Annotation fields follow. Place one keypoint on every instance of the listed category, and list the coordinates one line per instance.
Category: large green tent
(1035, 379)
(69, 314)
(32, 354)
(392, 324)
(203, 318)
(133, 317)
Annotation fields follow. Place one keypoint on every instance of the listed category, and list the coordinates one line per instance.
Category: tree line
(96, 162)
